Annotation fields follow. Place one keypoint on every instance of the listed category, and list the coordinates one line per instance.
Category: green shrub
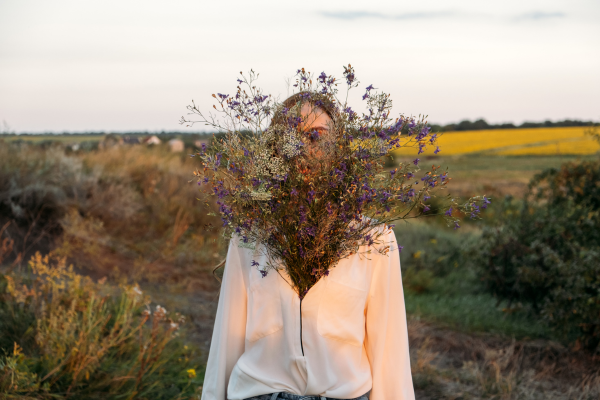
(546, 251)
(432, 247)
(64, 336)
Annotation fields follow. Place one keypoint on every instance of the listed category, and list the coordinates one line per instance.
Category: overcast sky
(122, 65)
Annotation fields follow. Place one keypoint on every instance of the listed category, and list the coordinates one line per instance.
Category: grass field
(139, 221)
(56, 138)
(507, 142)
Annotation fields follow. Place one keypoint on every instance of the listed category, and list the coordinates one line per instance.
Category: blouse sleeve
(228, 339)
(386, 340)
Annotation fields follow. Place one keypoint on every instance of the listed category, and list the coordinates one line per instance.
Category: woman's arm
(386, 340)
(228, 337)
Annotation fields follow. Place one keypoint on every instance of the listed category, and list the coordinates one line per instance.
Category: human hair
(315, 99)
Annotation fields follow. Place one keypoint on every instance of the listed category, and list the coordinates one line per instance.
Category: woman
(345, 339)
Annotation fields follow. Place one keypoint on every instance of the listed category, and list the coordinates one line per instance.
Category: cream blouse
(347, 335)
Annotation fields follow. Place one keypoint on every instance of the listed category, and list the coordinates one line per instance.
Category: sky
(87, 65)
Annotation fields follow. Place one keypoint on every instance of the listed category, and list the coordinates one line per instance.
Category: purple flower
(426, 208)
(437, 150)
(456, 225)
(400, 249)
(475, 211)
(311, 231)
(302, 211)
(264, 272)
(449, 212)
(350, 112)
(367, 93)
(254, 263)
(416, 161)
(349, 75)
(223, 96)
(294, 192)
(486, 201)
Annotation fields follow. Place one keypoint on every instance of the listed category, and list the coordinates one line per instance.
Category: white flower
(160, 311)
(292, 145)
(261, 196)
(267, 165)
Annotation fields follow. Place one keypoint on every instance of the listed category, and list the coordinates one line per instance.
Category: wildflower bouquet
(305, 178)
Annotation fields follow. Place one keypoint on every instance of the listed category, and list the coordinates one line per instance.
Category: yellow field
(534, 141)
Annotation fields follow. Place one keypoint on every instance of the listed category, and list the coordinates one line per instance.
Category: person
(345, 339)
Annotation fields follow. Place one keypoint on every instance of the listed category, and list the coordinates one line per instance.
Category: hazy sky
(121, 65)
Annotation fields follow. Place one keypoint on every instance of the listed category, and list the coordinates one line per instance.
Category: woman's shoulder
(245, 250)
(379, 229)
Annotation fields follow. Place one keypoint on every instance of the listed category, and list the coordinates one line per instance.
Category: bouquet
(305, 178)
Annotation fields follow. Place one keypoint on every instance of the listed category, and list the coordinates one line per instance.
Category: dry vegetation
(129, 214)
(448, 364)
(122, 211)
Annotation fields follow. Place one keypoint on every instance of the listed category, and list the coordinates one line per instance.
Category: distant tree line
(482, 124)
(464, 125)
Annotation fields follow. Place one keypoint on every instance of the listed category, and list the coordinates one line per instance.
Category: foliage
(428, 253)
(64, 336)
(482, 124)
(125, 205)
(313, 196)
(546, 252)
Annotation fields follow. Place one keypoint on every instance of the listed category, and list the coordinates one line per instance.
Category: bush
(546, 251)
(130, 206)
(429, 251)
(64, 336)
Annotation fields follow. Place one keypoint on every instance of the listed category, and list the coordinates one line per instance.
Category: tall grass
(131, 206)
(64, 336)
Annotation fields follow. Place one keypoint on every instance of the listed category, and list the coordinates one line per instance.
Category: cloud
(539, 15)
(352, 15)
